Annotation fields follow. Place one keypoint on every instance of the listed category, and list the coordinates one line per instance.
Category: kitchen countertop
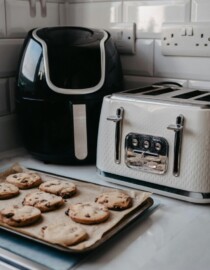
(175, 236)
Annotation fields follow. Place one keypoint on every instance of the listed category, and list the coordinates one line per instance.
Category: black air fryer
(64, 73)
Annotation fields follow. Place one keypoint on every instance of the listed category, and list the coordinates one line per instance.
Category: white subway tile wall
(92, 14)
(9, 52)
(12, 81)
(200, 11)
(9, 136)
(149, 15)
(2, 19)
(147, 66)
(4, 92)
(142, 62)
(199, 84)
(180, 67)
(20, 21)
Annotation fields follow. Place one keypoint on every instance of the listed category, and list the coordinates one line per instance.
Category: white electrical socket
(124, 36)
(192, 39)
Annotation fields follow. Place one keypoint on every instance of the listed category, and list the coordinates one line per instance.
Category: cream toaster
(157, 138)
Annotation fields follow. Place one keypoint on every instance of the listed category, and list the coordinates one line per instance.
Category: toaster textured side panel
(153, 119)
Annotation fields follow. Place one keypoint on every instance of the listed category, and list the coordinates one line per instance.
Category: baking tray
(104, 231)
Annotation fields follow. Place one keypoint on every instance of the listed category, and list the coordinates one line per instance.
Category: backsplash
(148, 65)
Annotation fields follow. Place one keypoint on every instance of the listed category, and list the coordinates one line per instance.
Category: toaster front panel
(185, 162)
(146, 153)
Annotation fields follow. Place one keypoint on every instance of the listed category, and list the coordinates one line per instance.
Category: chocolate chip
(87, 215)
(48, 204)
(65, 195)
(44, 228)
(49, 185)
(74, 229)
(9, 215)
(24, 181)
(18, 220)
(67, 212)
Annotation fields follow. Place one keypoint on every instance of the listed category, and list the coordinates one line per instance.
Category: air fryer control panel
(146, 152)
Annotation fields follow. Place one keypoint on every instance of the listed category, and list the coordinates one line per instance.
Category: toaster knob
(134, 142)
(158, 146)
(146, 144)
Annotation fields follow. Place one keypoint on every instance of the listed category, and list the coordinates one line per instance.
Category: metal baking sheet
(86, 190)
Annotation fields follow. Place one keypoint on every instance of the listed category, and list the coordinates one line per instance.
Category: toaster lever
(178, 129)
(115, 118)
(118, 132)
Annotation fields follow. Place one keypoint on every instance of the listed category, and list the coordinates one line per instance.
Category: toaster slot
(141, 90)
(160, 91)
(204, 98)
(191, 94)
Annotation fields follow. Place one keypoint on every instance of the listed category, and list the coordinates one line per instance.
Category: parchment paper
(86, 192)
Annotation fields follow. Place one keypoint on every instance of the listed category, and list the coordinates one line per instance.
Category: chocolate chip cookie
(115, 200)
(58, 187)
(44, 201)
(64, 234)
(19, 216)
(88, 213)
(8, 191)
(24, 180)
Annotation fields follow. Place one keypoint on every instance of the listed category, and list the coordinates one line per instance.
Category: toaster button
(146, 144)
(158, 146)
(134, 142)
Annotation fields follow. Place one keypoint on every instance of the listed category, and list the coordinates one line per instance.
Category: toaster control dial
(146, 144)
(146, 153)
(135, 142)
(158, 146)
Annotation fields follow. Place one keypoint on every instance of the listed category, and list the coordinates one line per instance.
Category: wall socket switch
(124, 37)
(192, 39)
